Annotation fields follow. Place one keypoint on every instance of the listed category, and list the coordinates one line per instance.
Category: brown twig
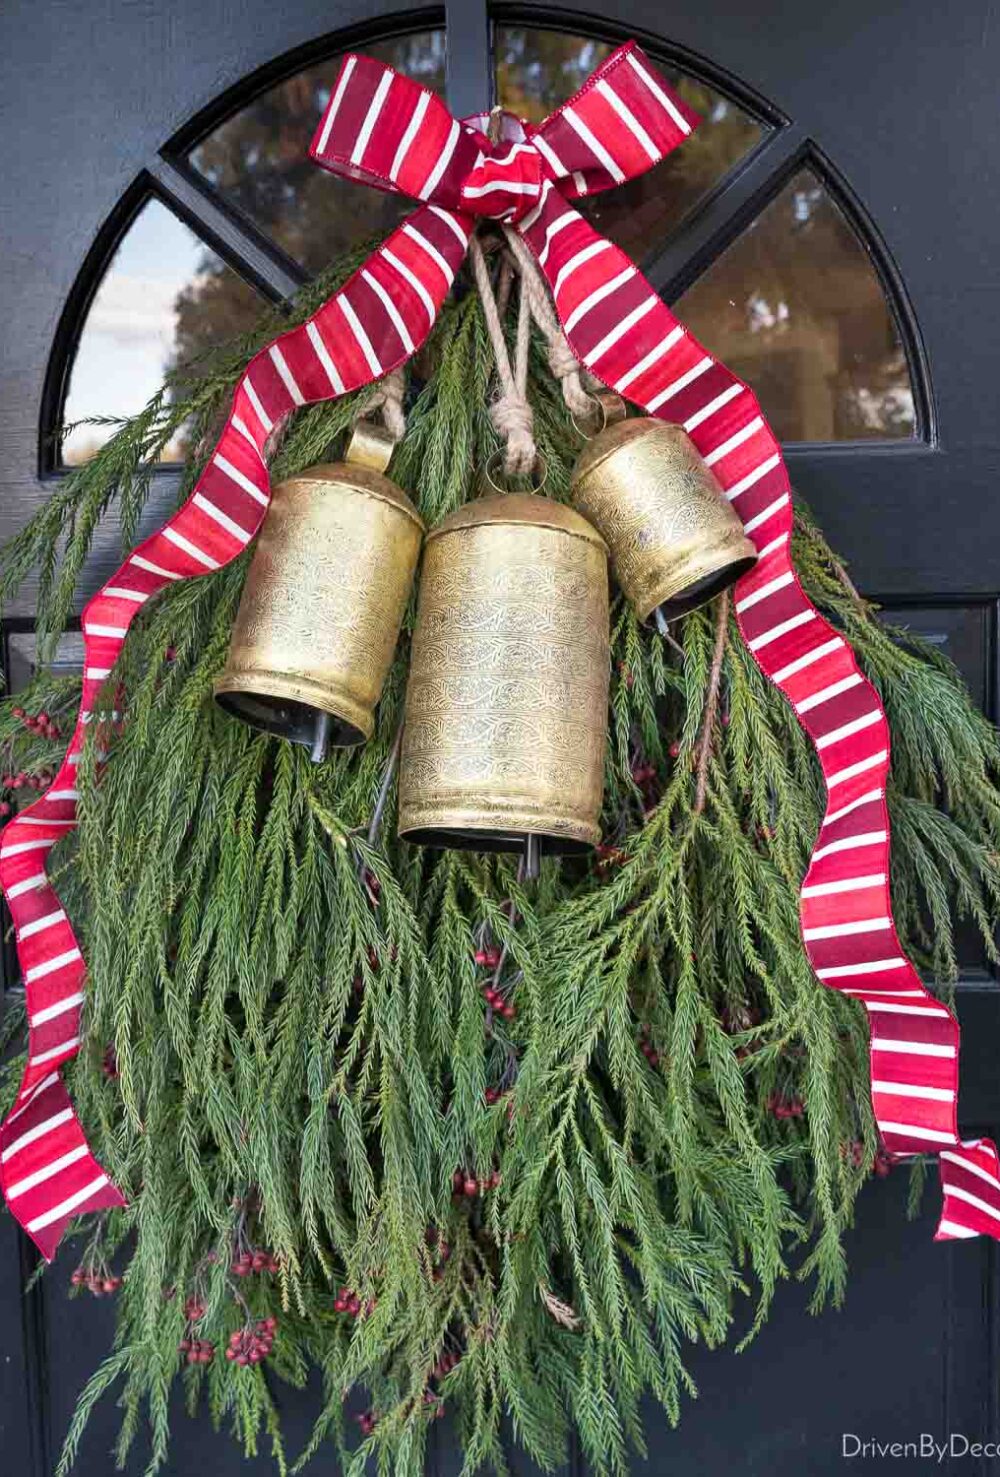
(557, 1309)
(711, 702)
(847, 582)
(384, 788)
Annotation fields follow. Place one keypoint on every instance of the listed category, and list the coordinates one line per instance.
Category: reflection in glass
(259, 159)
(538, 69)
(795, 307)
(165, 298)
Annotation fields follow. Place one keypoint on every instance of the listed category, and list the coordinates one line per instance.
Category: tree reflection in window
(795, 307)
(165, 297)
(537, 69)
(259, 159)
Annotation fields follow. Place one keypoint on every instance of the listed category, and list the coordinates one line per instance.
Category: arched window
(745, 230)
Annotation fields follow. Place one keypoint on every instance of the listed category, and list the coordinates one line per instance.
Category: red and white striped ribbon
(387, 131)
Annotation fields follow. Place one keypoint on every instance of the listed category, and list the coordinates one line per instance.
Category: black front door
(830, 233)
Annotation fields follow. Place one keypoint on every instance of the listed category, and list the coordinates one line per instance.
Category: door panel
(897, 110)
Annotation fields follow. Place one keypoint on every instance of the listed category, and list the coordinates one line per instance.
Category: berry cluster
(792, 1107)
(252, 1343)
(881, 1164)
(854, 1152)
(464, 1183)
(445, 1365)
(347, 1301)
(38, 723)
(498, 1002)
(254, 1261)
(487, 958)
(366, 1420)
(100, 1282)
(647, 1048)
(196, 1351)
(494, 1095)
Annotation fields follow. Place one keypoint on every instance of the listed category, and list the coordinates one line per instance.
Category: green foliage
(287, 1045)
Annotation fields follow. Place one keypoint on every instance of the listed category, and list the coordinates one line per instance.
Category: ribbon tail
(626, 336)
(370, 326)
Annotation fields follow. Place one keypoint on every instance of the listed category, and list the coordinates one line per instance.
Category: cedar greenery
(286, 1042)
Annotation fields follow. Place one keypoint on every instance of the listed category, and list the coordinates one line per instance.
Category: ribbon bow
(389, 132)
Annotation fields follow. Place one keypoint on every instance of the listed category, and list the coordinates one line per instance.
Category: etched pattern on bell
(506, 707)
(323, 603)
(675, 541)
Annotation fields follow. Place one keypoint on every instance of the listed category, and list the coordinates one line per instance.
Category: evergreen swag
(518, 1210)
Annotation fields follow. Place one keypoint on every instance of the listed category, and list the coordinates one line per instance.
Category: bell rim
(479, 513)
(515, 818)
(337, 703)
(665, 590)
(359, 478)
(507, 843)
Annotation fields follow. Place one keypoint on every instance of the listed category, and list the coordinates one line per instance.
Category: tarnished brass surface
(323, 603)
(506, 708)
(674, 540)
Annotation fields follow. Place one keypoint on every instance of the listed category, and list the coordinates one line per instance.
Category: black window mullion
(469, 57)
(723, 215)
(249, 253)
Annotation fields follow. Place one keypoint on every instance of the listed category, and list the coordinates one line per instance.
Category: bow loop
(388, 131)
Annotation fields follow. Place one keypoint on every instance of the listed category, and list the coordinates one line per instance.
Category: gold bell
(324, 600)
(506, 707)
(675, 541)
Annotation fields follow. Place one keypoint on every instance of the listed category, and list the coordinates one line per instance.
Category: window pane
(795, 307)
(259, 159)
(537, 69)
(164, 298)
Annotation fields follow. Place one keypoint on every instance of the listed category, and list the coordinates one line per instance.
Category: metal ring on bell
(324, 600)
(506, 707)
(675, 541)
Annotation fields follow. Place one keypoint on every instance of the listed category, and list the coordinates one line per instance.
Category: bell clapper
(531, 857)
(321, 738)
(663, 626)
(384, 788)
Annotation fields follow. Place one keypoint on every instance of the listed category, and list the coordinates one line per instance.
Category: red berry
(508, 1011)
(340, 1305)
(42, 718)
(258, 1261)
(17, 712)
(470, 1186)
(458, 1180)
(230, 1353)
